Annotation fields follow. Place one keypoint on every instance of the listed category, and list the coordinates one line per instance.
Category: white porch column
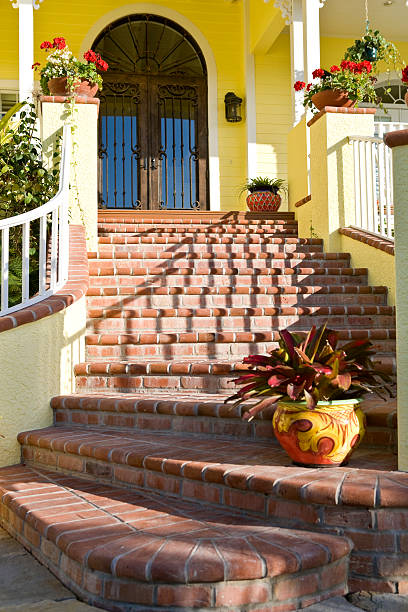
(311, 36)
(297, 59)
(26, 45)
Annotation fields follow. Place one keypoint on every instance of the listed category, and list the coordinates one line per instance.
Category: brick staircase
(149, 493)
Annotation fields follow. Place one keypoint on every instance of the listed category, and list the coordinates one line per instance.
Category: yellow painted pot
(323, 437)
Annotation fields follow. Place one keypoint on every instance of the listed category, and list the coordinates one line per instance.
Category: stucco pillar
(398, 141)
(297, 59)
(332, 170)
(83, 201)
(26, 46)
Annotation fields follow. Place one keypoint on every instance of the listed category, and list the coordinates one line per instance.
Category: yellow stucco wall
(363, 255)
(274, 110)
(37, 362)
(8, 42)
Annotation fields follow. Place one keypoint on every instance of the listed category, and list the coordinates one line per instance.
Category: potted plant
(63, 74)
(264, 193)
(374, 48)
(317, 387)
(346, 85)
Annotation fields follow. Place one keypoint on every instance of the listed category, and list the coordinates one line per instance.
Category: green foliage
(25, 183)
(386, 51)
(311, 368)
(261, 183)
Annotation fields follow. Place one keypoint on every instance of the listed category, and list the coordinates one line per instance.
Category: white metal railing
(383, 127)
(53, 249)
(373, 186)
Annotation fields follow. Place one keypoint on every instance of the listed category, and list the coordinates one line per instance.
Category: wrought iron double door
(153, 143)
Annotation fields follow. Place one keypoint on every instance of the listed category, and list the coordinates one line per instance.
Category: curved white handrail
(52, 280)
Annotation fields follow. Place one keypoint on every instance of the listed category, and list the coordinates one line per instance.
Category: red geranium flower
(102, 65)
(34, 66)
(309, 87)
(299, 85)
(334, 68)
(365, 66)
(46, 45)
(59, 43)
(346, 65)
(318, 73)
(405, 75)
(90, 56)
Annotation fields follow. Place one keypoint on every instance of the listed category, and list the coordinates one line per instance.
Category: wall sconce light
(232, 107)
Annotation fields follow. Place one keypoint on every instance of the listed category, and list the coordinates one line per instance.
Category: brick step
(368, 505)
(250, 243)
(176, 229)
(226, 280)
(186, 259)
(239, 323)
(106, 347)
(233, 296)
(192, 217)
(143, 376)
(155, 266)
(202, 415)
(119, 549)
(123, 313)
(244, 239)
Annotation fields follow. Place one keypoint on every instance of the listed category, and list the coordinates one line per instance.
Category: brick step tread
(115, 547)
(248, 241)
(124, 313)
(154, 258)
(263, 468)
(216, 303)
(237, 324)
(199, 239)
(169, 229)
(210, 337)
(195, 217)
(104, 268)
(202, 415)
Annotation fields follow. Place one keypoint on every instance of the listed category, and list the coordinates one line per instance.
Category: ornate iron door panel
(153, 143)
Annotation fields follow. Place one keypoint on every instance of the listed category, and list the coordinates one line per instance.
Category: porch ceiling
(347, 18)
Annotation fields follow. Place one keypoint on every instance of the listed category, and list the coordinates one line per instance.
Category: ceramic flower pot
(263, 201)
(323, 437)
(58, 87)
(332, 97)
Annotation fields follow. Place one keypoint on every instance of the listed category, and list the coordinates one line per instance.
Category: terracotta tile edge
(303, 201)
(399, 138)
(75, 288)
(343, 111)
(375, 241)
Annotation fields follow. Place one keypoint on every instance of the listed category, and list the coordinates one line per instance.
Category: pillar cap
(399, 138)
(343, 111)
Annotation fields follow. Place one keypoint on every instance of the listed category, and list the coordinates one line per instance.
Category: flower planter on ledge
(332, 97)
(58, 87)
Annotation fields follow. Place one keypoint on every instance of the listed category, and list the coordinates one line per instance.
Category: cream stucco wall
(297, 163)
(37, 362)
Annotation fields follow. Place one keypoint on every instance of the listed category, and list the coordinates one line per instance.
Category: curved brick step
(368, 505)
(195, 217)
(115, 548)
(278, 226)
(203, 415)
(201, 252)
(217, 242)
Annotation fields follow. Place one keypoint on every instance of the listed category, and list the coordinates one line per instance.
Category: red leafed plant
(310, 368)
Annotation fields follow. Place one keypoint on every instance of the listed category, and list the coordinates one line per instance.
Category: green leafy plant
(353, 78)
(261, 183)
(374, 47)
(310, 368)
(62, 63)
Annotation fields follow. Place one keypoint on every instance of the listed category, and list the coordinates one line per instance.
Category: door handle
(153, 164)
(143, 165)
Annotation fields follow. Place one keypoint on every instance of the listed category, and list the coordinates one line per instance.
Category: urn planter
(324, 436)
(263, 201)
(332, 97)
(59, 87)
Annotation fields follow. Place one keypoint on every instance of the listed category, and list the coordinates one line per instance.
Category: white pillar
(26, 45)
(250, 95)
(311, 36)
(297, 59)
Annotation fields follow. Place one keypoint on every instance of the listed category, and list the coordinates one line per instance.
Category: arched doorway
(153, 129)
(391, 92)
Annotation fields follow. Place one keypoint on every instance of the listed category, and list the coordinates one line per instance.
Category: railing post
(332, 169)
(83, 116)
(398, 142)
